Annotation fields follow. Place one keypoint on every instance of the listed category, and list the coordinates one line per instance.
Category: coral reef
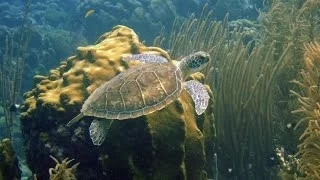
(173, 143)
(146, 17)
(237, 8)
(45, 43)
(7, 160)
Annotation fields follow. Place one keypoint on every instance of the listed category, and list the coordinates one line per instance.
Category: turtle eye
(195, 63)
(198, 61)
(202, 59)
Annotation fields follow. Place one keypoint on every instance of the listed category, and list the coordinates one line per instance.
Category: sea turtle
(142, 90)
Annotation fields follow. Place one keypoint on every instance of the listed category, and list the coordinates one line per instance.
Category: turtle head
(194, 62)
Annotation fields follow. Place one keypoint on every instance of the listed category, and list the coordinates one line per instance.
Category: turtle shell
(138, 91)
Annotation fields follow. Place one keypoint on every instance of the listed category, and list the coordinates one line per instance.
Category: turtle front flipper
(146, 58)
(98, 130)
(199, 95)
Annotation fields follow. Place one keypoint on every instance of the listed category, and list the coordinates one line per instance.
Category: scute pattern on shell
(135, 92)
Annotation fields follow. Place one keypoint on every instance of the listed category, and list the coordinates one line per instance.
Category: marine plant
(309, 109)
(298, 23)
(11, 70)
(295, 22)
(244, 79)
(290, 22)
(246, 100)
(284, 29)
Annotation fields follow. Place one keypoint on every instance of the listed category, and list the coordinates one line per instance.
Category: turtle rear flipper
(75, 119)
(98, 130)
(199, 95)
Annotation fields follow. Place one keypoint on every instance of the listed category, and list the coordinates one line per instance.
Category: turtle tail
(75, 119)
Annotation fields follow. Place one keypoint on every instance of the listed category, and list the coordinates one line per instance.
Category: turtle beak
(204, 57)
(207, 58)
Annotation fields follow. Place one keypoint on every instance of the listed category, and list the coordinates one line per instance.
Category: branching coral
(62, 171)
(309, 100)
(288, 164)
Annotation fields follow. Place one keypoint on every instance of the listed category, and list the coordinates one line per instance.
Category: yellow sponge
(77, 77)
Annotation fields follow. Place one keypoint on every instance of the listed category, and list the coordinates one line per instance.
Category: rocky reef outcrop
(173, 143)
